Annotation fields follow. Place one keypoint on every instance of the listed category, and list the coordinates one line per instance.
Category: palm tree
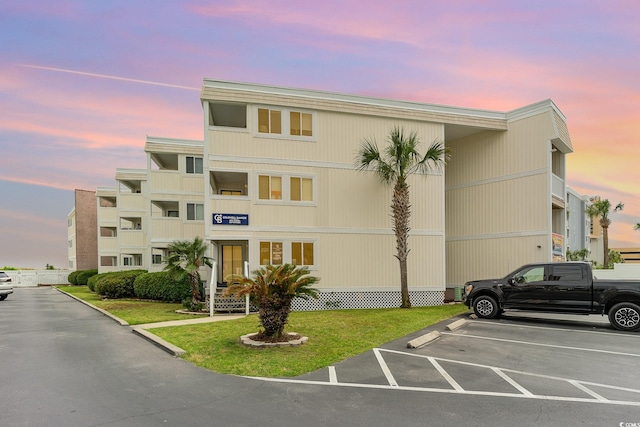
(637, 226)
(272, 289)
(393, 166)
(186, 257)
(599, 208)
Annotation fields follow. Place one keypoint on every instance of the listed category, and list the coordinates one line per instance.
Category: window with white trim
(284, 122)
(132, 260)
(194, 165)
(302, 253)
(269, 187)
(270, 253)
(301, 189)
(301, 124)
(195, 212)
(156, 259)
(269, 121)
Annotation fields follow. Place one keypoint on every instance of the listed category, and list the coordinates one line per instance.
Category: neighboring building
(274, 181)
(596, 238)
(82, 232)
(578, 233)
(152, 207)
(629, 255)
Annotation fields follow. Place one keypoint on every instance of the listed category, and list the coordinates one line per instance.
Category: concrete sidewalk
(143, 330)
(194, 321)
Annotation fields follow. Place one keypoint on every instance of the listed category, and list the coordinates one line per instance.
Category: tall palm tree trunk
(401, 209)
(194, 280)
(605, 244)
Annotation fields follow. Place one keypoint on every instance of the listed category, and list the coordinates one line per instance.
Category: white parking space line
(333, 378)
(457, 389)
(590, 332)
(587, 390)
(512, 382)
(592, 350)
(385, 369)
(444, 373)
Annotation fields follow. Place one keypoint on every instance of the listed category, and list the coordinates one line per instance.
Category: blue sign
(230, 219)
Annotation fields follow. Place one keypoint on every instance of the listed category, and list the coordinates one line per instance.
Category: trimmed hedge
(162, 286)
(83, 276)
(117, 284)
(73, 277)
(91, 283)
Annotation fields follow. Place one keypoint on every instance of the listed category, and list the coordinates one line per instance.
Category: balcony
(557, 191)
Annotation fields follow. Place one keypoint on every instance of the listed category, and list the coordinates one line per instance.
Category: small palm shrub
(118, 284)
(83, 276)
(272, 290)
(162, 286)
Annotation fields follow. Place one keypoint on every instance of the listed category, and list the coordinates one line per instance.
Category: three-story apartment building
(274, 181)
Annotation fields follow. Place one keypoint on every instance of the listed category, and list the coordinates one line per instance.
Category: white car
(6, 287)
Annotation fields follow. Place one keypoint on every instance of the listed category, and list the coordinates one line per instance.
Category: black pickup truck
(561, 287)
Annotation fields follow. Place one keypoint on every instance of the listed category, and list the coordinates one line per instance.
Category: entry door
(232, 255)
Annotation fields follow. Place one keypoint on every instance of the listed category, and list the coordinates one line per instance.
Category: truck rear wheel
(625, 316)
(485, 307)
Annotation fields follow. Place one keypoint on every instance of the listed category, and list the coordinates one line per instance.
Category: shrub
(83, 276)
(73, 277)
(91, 283)
(188, 304)
(162, 286)
(118, 284)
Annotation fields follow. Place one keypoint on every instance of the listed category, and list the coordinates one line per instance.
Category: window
(530, 274)
(230, 193)
(108, 261)
(173, 214)
(194, 165)
(568, 273)
(70, 243)
(302, 253)
(195, 212)
(269, 187)
(70, 222)
(269, 121)
(71, 264)
(301, 189)
(270, 253)
(132, 260)
(156, 259)
(300, 123)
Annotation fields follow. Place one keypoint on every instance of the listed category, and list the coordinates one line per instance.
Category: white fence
(619, 272)
(26, 278)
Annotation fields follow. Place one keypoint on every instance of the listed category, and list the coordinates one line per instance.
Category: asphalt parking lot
(519, 356)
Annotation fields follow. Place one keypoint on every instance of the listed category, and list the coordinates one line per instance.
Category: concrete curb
(106, 313)
(455, 325)
(424, 339)
(158, 342)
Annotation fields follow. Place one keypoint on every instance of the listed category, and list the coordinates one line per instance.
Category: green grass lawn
(133, 311)
(333, 336)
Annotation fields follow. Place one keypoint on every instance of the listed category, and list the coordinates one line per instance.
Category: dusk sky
(82, 83)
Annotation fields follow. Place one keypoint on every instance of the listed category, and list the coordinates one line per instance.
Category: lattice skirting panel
(366, 299)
